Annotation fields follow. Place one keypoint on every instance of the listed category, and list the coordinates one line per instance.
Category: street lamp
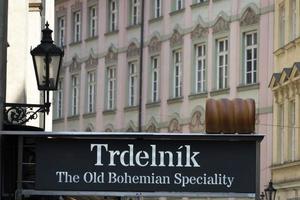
(47, 60)
(270, 191)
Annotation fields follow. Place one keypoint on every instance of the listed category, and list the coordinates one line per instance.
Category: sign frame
(257, 138)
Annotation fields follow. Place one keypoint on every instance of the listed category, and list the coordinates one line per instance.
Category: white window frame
(113, 15)
(157, 8)
(281, 28)
(177, 73)
(293, 21)
(222, 68)
(178, 4)
(111, 87)
(280, 138)
(59, 98)
(253, 57)
(201, 1)
(61, 31)
(155, 79)
(200, 68)
(75, 94)
(77, 26)
(135, 4)
(91, 90)
(93, 21)
(133, 85)
(292, 130)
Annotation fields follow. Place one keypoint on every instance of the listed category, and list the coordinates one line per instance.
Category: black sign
(146, 165)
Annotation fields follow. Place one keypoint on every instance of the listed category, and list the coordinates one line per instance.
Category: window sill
(75, 43)
(197, 5)
(91, 38)
(89, 115)
(131, 108)
(175, 100)
(109, 112)
(74, 117)
(198, 95)
(133, 26)
(290, 45)
(157, 19)
(219, 92)
(111, 33)
(279, 51)
(246, 87)
(58, 120)
(153, 104)
(175, 12)
(285, 164)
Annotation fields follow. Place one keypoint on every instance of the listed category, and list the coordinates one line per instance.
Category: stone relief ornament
(152, 129)
(176, 39)
(249, 18)
(199, 32)
(133, 50)
(196, 125)
(221, 25)
(154, 45)
(75, 66)
(111, 57)
(174, 126)
(91, 62)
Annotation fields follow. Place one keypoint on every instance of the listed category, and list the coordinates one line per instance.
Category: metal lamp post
(270, 191)
(47, 60)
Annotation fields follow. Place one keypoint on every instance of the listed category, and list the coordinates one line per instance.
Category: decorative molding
(91, 62)
(199, 32)
(221, 25)
(154, 45)
(75, 66)
(35, 6)
(176, 39)
(249, 18)
(112, 56)
(76, 6)
(197, 122)
(133, 50)
(174, 126)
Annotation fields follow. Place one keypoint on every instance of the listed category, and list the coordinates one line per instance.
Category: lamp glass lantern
(270, 192)
(47, 60)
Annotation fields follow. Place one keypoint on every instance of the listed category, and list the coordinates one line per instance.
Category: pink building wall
(164, 112)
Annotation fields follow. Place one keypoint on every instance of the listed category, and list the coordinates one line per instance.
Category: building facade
(193, 50)
(285, 86)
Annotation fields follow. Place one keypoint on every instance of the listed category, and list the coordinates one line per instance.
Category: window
(135, 12)
(200, 66)
(177, 74)
(91, 89)
(293, 14)
(280, 134)
(200, 1)
(75, 95)
(281, 25)
(92, 21)
(132, 84)
(250, 60)
(292, 132)
(157, 8)
(77, 26)
(111, 87)
(222, 63)
(61, 31)
(154, 80)
(59, 99)
(178, 4)
(113, 15)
